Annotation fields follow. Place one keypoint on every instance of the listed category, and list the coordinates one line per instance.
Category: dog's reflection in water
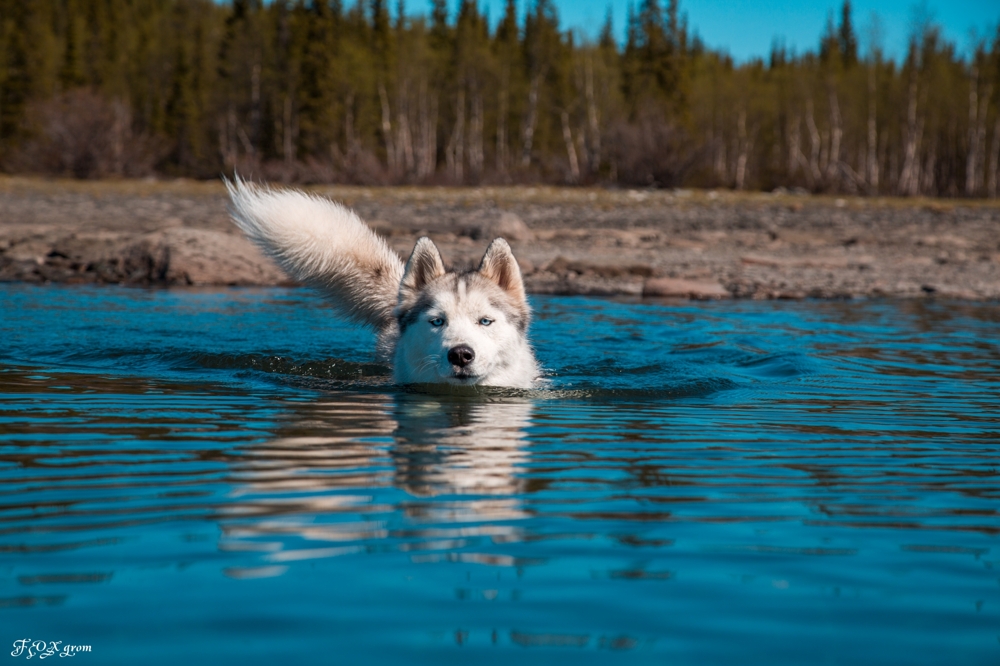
(461, 448)
(317, 490)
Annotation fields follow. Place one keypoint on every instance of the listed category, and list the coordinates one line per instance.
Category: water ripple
(800, 481)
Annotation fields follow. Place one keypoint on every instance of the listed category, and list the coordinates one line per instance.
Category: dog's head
(463, 328)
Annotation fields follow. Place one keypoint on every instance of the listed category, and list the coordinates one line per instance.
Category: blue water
(226, 477)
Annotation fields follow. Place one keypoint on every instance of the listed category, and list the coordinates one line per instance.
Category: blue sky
(746, 29)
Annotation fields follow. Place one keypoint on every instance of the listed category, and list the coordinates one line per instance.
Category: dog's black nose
(461, 355)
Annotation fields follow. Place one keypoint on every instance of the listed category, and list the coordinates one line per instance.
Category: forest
(322, 92)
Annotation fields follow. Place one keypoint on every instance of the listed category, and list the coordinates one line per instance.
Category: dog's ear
(500, 266)
(423, 266)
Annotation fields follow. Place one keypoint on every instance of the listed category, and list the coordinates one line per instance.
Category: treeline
(316, 91)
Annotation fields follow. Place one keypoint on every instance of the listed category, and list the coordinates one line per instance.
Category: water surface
(226, 477)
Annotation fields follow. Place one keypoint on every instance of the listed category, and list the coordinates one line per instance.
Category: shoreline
(571, 241)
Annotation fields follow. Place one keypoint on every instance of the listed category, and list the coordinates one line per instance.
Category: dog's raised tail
(322, 244)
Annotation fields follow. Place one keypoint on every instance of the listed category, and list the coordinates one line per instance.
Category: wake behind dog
(433, 325)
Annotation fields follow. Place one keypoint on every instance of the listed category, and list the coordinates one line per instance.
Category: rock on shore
(701, 245)
(181, 256)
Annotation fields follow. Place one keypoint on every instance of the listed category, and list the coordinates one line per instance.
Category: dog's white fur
(420, 311)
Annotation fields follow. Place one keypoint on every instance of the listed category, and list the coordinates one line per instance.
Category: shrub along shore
(651, 243)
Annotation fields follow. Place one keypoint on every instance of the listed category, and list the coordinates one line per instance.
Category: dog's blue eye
(437, 321)
(485, 321)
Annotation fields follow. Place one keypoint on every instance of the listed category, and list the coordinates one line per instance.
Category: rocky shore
(657, 244)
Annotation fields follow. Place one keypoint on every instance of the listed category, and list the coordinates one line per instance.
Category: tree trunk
(972, 158)
(431, 136)
(120, 131)
(528, 135)
(427, 123)
(871, 170)
(476, 158)
(815, 142)
(404, 138)
(255, 105)
(984, 108)
(928, 183)
(794, 135)
(574, 164)
(593, 120)
(390, 149)
(232, 136)
(720, 161)
(455, 151)
(287, 146)
(909, 177)
(502, 103)
(743, 145)
(991, 185)
(833, 170)
(349, 142)
(224, 151)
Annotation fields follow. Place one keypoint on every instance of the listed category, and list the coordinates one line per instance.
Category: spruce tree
(847, 41)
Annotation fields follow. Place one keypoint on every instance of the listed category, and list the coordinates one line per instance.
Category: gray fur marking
(412, 314)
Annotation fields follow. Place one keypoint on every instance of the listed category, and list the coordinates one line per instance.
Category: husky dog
(435, 326)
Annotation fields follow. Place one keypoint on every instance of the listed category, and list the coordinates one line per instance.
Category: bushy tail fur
(322, 244)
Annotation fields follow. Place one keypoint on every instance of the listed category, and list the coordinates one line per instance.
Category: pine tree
(847, 41)
(15, 86)
(316, 92)
(240, 76)
(541, 46)
(181, 112)
(71, 72)
(510, 88)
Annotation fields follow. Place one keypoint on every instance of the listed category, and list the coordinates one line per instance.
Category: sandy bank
(569, 241)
